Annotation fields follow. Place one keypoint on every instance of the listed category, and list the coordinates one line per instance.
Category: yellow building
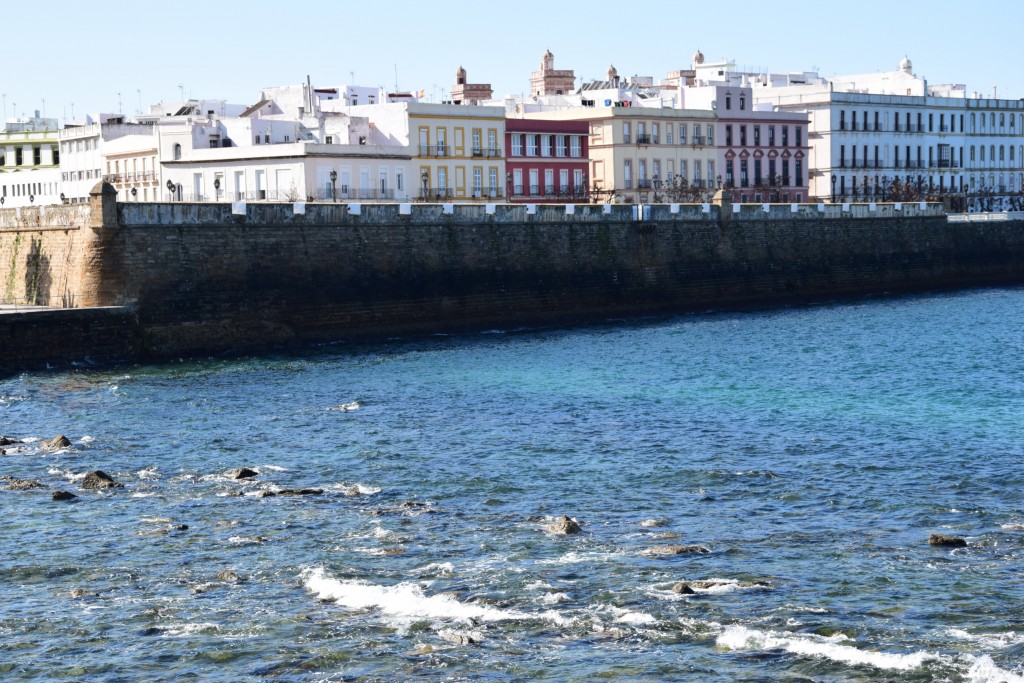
(638, 154)
(457, 150)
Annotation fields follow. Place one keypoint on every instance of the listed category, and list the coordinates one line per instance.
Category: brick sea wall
(200, 278)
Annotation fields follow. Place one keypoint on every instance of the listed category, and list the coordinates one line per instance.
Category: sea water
(811, 452)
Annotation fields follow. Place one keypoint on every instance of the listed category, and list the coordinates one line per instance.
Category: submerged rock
(458, 638)
(691, 587)
(229, 576)
(674, 549)
(64, 495)
(242, 473)
(563, 525)
(300, 492)
(947, 541)
(21, 484)
(56, 443)
(8, 441)
(654, 523)
(99, 480)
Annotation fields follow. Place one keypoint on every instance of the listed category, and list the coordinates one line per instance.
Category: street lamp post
(655, 183)
(334, 185)
(508, 186)
(170, 188)
(833, 188)
(423, 177)
(586, 189)
(885, 180)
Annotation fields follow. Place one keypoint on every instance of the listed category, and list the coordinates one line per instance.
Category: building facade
(29, 162)
(546, 161)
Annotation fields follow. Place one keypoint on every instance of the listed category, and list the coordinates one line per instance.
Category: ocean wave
(984, 670)
(835, 648)
(988, 640)
(401, 600)
(1012, 527)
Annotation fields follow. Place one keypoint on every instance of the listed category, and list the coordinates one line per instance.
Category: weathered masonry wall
(199, 278)
(40, 252)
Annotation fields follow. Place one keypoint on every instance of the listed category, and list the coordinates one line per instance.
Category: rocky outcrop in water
(228, 576)
(675, 549)
(8, 441)
(563, 525)
(13, 484)
(98, 479)
(300, 492)
(63, 495)
(944, 541)
(691, 587)
(242, 473)
(56, 443)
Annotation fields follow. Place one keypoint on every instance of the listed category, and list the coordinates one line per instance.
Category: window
(711, 134)
(625, 132)
(728, 172)
(877, 127)
(545, 145)
(743, 136)
(728, 136)
(177, 151)
(517, 145)
(563, 180)
(931, 122)
(842, 120)
(668, 134)
(492, 181)
(696, 173)
(492, 143)
(771, 136)
(743, 173)
(576, 146)
(799, 133)
(627, 174)
(799, 168)
(560, 145)
(517, 181)
(757, 136)
(442, 178)
(728, 102)
(654, 134)
(785, 136)
(682, 133)
(743, 102)
(757, 172)
(531, 144)
(478, 181)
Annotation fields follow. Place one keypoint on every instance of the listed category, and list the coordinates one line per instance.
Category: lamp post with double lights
(170, 188)
(334, 185)
(833, 188)
(423, 178)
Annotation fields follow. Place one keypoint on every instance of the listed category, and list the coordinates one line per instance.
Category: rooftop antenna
(120, 107)
(352, 75)
(139, 91)
(181, 89)
(396, 78)
(72, 111)
(44, 107)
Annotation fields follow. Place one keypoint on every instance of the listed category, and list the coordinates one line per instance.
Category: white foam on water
(381, 532)
(723, 586)
(554, 598)
(537, 585)
(148, 473)
(988, 640)
(401, 600)
(625, 616)
(87, 439)
(1012, 527)
(439, 568)
(809, 645)
(273, 468)
(245, 540)
(179, 630)
(143, 495)
(345, 407)
(984, 670)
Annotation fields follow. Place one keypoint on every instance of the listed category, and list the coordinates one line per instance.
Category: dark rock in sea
(691, 587)
(300, 492)
(21, 484)
(265, 494)
(563, 525)
(8, 441)
(64, 495)
(99, 480)
(3, 452)
(947, 541)
(242, 473)
(668, 550)
(80, 593)
(228, 576)
(56, 443)
(393, 550)
(178, 527)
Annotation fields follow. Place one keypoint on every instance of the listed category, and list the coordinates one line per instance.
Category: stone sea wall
(204, 277)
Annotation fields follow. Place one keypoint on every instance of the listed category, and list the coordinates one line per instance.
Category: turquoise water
(811, 451)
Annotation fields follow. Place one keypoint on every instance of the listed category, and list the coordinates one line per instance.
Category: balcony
(436, 193)
(435, 150)
(643, 139)
(697, 141)
(643, 184)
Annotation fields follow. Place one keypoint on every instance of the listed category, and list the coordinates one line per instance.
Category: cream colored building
(457, 151)
(635, 152)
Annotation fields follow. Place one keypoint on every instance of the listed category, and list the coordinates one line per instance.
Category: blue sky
(79, 56)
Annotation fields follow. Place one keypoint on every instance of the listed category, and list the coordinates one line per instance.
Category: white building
(29, 159)
(868, 129)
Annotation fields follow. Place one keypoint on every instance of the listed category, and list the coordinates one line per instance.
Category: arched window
(992, 152)
(1011, 152)
(177, 151)
(983, 153)
(974, 126)
(1002, 153)
(992, 120)
(972, 152)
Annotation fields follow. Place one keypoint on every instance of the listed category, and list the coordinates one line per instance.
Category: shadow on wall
(38, 278)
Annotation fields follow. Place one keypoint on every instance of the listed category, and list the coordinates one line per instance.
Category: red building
(546, 161)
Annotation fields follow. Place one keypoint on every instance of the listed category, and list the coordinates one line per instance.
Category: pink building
(762, 154)
(546, 161)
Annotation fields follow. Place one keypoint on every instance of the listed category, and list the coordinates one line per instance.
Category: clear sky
(109, 56)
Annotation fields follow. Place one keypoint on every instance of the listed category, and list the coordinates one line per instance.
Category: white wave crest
(743, 638)
(273, 468)
(401, 600)
(984, 670)
(625, 616)
(554, 598)
(1012, 527)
